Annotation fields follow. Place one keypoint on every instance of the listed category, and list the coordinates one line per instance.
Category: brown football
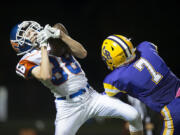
(58, 47)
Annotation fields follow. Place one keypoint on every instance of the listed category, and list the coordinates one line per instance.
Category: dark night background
(89, 22)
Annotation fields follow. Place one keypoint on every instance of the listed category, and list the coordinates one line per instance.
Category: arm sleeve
(111, 90)
(148, 45)
(153, 46)
(24, 68)
(27, 63)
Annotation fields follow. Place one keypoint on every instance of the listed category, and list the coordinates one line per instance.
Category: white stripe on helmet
(122, 44)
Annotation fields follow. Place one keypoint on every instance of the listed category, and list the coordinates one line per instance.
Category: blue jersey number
(60, 74)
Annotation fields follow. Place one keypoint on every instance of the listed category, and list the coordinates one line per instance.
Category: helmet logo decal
(15, 46)
(106, 53)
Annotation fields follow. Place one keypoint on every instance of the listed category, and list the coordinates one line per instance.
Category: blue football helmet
(19, 39)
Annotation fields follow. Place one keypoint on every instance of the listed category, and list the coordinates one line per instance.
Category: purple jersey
(147, 78)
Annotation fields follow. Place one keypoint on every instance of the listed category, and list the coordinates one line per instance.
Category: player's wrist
(43, 45)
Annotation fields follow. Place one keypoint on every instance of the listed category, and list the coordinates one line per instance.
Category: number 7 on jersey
(141, 63)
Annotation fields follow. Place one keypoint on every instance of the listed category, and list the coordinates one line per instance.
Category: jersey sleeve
(112, 86)
(111, 90)
(27, 63)
(153, 46)
(24, 68)
(148, 45)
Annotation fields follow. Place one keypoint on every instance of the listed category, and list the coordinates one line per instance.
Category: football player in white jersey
(53, 63)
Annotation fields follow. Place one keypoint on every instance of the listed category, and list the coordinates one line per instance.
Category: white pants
(72, 113)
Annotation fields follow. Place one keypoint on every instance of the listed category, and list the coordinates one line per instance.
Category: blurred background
(27, 107)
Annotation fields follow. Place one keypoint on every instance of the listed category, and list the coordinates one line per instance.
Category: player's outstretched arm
(77, 48)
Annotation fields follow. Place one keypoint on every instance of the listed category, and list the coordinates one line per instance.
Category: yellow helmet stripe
(122, 44)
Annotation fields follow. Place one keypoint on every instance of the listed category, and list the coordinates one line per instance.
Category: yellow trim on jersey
(111, 90)
(168, 127)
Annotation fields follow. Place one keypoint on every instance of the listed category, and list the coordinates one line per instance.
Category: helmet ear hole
(112, 48)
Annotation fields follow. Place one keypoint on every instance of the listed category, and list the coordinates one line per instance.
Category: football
(58, 47)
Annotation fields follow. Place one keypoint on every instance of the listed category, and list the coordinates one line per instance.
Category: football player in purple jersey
(141, 73)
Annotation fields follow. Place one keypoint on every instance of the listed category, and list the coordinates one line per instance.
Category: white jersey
(72, 111)
(67, 75)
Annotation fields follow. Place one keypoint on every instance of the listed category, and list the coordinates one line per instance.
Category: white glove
(43, 36)
(46, 33)
(55, 33)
